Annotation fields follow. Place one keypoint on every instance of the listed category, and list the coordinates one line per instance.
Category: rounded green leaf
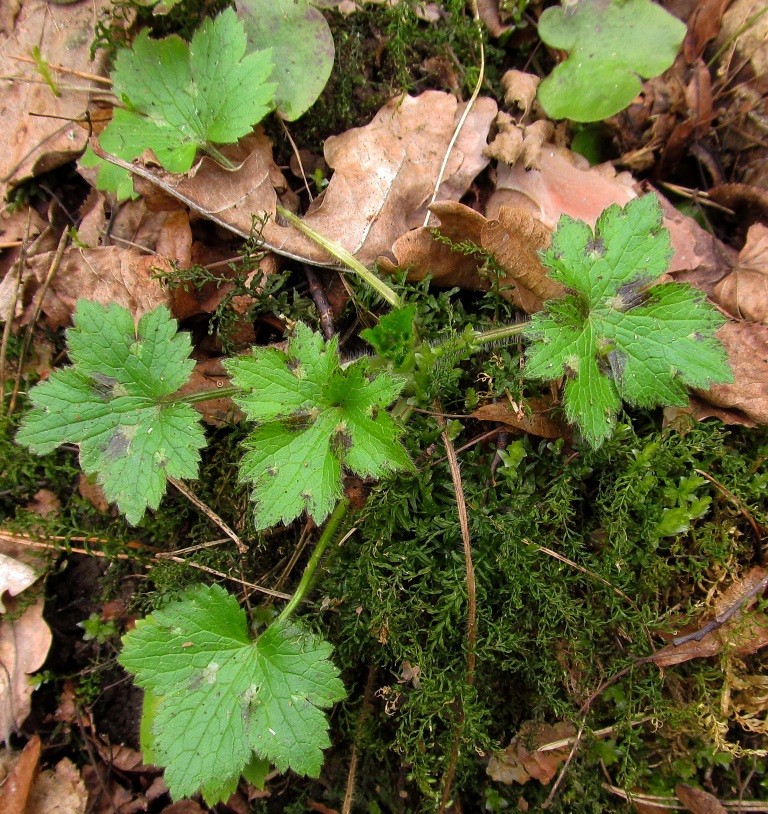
(302, 49)
(612, 45)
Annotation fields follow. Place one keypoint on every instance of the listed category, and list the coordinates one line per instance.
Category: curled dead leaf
(534, 420)
(520, 89)
(525, 759)
(698, 801)
(747, 346)
(744, 292)
(515, 239)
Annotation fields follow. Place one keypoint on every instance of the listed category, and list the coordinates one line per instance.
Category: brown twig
(349, 792)
(105, 80)
(471, 603)
(321, 302)
(551, 796)
(195, 500)
(29, 333)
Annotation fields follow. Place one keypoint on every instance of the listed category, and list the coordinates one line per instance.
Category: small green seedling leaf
(302, 49)
(611, 44)
(313, 419)
(229, 704)
(111, 403)
(394, 337)
(182, 98)
(614, 337)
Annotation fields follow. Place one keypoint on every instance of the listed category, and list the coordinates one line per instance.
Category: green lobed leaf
(611, 45)
(302, 48)
(314, 418)
(181, 98)
(229, 704)
(614, 337)
(110, 403)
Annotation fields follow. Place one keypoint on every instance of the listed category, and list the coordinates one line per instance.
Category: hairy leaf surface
(229, 703)
(314, 418)
(110, 403)
(614, 337)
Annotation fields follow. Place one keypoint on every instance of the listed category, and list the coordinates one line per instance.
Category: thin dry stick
(12, 309)
(464, 115)
(30, 332)
(471, 603)
(105, 80)
(300, 546)
(221, 575)
(736, 502)
(195, 500)
(321, 302)
(548, 802)
(298, 157)
(349, 792)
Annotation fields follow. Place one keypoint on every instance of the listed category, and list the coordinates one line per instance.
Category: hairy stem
(307, 578)
(341, 254)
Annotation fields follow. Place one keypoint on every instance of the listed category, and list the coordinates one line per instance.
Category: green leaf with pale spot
(315, 418)
(614, 337)
(229, 704)
(181, 97)
(110, 402)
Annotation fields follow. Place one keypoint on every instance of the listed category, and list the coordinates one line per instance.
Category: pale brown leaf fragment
(17, 787)
(508, 142)
(523, 759)
(741, 634)
(60, 791)
(488, 10)
(535, 140)
(31, 145)
(24, 644)
(747, 346)
(520, 89)
(15, 577)
(698, 801)
(515, 239)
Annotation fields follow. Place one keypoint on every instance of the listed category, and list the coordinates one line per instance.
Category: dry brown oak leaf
(744, 292)
(33, 144)
(514, 238)
(384, 173)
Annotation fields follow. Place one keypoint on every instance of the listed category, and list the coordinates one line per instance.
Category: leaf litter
(373, 213)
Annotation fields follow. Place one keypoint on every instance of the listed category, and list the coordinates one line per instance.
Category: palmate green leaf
(614, 337)
(110, 403)
(228, 704)
(183, 97)
(314, 418)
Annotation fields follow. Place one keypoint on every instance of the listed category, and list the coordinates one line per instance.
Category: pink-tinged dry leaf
(31, 145)
(747, 347)
(93, 493)
(24, 644)
(523, 759)
(423, 255)
(16, 788)
(536, 420)
(698, 801)
(107, 275)
(209, 375)
(744, 292)
(386, 170)
(61, 791)
(564, 184)
(44, 502)
(740, 635)
(488, 10)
